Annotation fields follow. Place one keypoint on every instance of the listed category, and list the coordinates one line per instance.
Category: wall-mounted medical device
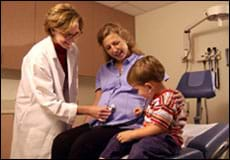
(215, 13)
(227, 56)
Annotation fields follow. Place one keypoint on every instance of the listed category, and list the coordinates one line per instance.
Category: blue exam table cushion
(189, 153)
(201, 140)
(209, 141)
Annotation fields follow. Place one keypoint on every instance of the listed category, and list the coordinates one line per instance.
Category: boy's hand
(138, 111)
(125, 136)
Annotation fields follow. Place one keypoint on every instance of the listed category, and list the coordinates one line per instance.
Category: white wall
(160, 33)
(10, 86)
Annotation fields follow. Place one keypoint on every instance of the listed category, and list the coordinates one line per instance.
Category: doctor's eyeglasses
(70, 36)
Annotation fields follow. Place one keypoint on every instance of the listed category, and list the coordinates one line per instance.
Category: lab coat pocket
(39, 143)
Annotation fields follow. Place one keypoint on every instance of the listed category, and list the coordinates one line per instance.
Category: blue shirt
(116, 91)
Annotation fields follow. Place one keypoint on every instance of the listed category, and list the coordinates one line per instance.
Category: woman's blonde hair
(146, 69)
(62, 16)
(109, 28)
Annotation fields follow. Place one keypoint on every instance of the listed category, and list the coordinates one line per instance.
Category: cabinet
(110, 15)
(87, 40)
(23, 25)
(6, 134)
(17, 32)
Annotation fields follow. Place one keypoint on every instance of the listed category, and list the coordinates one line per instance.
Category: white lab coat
(40, 110)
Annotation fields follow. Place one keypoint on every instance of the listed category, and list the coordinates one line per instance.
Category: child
(160, 136)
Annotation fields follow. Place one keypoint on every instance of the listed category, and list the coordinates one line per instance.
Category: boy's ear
(148, 85)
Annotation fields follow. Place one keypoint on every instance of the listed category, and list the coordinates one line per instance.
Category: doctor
(46, 98)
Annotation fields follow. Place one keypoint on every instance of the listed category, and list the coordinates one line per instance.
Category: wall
(23, 25)
(160, 33)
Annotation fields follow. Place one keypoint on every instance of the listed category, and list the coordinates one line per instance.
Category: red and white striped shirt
(164, 112)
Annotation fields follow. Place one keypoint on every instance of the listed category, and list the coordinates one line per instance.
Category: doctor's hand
(97, 112)
(100, 113)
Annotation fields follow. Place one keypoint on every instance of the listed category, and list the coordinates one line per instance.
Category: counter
(7, 106)
(8, 95)
(9, 84)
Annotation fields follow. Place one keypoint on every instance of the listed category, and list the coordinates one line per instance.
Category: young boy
(160, 136)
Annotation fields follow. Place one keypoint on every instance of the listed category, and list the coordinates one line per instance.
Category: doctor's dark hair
(110, 28)
(146, 69)
(62, 16)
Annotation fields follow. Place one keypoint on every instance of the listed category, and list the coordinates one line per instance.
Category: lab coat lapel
(57, 68)
(70, 62)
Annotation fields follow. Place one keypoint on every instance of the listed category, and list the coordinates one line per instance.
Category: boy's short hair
(146, 69)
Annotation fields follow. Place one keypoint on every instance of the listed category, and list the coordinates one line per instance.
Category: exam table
(204, 141)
